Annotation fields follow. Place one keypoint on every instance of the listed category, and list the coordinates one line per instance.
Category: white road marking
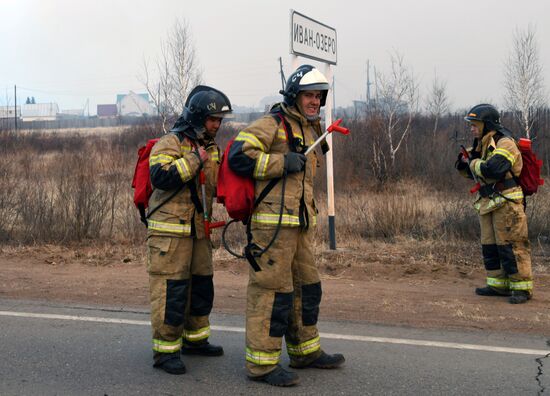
(333, 336)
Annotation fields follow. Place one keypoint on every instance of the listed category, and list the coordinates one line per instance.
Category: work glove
(461, 163)
(294, 162)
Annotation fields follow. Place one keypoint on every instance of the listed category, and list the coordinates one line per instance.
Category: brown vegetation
(75, 186)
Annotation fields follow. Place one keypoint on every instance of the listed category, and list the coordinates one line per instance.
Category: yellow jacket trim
(197, 335)
(305, 348)
(262, 358)
(162, 159)
(183, 169)
(497, 283)
(271, 218)
(166, 346)
(250, 138)
(261, 166)
(521, 285)
(171, 228)
(506, 154)
(214, 156)
(281, 134)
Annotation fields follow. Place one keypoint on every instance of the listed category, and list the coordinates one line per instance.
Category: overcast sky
(69, 51)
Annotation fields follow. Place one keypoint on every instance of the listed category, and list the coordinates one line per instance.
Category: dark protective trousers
(181, 291)
(282, 301)
(506, 249)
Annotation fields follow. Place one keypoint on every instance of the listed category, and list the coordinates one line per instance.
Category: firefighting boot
(324, 361)
(171, 363)
(519, 297)
(203, 349)
(491, 291)
(278, 377)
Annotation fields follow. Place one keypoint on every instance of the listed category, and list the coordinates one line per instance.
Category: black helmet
(305, 78)
(487, 114)
(202, 101)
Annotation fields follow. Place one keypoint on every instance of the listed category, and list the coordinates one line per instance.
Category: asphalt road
(50, 349)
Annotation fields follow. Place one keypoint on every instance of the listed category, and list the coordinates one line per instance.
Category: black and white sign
(312, 39)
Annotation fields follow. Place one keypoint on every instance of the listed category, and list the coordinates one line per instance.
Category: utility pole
(333, 98)
(283, 79)
(368, 82)
(15, 116)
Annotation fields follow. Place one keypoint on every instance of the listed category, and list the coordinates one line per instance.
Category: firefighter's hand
(203, 155)
(461, 163)
(294, 162)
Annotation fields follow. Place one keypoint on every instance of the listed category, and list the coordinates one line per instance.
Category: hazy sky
(69, 51)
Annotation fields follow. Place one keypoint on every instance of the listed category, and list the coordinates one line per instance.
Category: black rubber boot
(279, 377)
(171, 363)
(324, 361)
(519, 297)
(205, 349)
(490, 291)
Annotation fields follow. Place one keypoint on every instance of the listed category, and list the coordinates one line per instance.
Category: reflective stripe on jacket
(259, 151)
(173, 166)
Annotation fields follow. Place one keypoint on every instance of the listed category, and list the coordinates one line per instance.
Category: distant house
(107, 110)
(9, 112)
(39, 112)
(134, 105)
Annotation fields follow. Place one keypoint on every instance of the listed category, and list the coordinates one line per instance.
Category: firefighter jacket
(174, 166)
(497, 169)
(259, 152)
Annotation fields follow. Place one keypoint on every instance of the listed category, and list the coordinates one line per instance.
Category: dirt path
(378, 283)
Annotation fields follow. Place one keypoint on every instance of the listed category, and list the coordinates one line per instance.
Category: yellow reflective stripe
(183, 169)
(197, 335)
(262, 358)
(497, 283)
(214, 156)
(506, 154)
(515, 195)
(186, 149)
(305, 348)
(166, 346)
(249, 138)
(271, 218)
(521, 285)
(281, 134)
(477, 168)
(160, 159)
(314, 222)
(180, 229)
(260, 169)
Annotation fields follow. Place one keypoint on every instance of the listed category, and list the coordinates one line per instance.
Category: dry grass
(74, 187)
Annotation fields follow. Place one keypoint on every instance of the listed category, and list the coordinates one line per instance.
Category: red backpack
(235, 192)
(529, 178)
(141, 183)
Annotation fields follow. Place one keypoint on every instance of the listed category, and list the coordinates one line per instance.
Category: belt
(489, 189)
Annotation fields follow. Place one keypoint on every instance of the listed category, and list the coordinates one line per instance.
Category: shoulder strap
(291, 140)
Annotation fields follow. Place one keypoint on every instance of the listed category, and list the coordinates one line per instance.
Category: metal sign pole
(329, 164)
(315, 40)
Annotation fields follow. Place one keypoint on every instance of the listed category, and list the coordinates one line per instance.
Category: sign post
(315, 40)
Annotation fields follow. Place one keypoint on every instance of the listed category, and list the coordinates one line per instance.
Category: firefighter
(179, 256)
(284, 291)
(495, 162)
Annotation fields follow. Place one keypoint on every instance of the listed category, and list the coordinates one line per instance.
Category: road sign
(312, 39)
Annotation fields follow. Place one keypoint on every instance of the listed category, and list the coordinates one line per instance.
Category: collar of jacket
(293, 112)
(486, 141)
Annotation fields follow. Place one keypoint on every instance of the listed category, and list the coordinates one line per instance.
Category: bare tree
(437, 102)
(396, 105)
(524, 81)
(176, 72)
